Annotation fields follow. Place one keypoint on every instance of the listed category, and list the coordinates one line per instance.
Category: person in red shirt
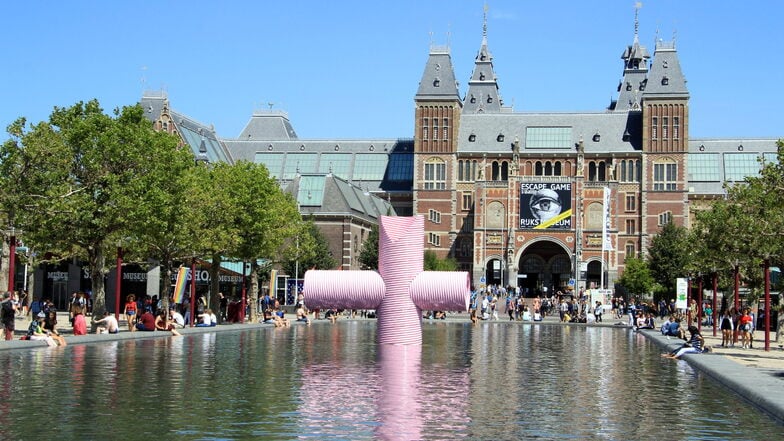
(79, 323)
(130, 311)
(746, 322)
(146, 322)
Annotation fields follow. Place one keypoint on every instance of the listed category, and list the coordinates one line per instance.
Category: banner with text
(546, 205)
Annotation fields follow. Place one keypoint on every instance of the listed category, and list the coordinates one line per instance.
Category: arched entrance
(544, 267)
(593, 277)
(494, 273)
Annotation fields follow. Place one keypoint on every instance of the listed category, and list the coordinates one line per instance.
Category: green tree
(266, 220)
(433, 263)
(669, 256)
(314, 251)
(368, 256)
(637, 277)
(79, 182)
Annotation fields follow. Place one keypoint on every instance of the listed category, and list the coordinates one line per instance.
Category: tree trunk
(165, 282)
(97, 262)
(215, 285)
(254, 292)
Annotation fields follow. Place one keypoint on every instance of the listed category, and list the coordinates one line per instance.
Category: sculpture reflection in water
(392, 400)
(398, 292)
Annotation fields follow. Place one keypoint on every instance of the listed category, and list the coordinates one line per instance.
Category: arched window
(460, 165)
(504, 171)
(592, 171)
(538, 169)
(548, 169)
(557, 169)
(602, 171)
(623, 171)
(495, 171)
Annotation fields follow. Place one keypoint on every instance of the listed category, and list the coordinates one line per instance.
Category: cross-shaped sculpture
(399, 291)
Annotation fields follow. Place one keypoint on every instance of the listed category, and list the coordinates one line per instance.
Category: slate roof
(268, 125)
(338, 197)
(196, 135)
(438, 80)
(618, 132)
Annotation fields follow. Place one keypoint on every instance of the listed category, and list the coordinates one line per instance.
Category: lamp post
(201, 158)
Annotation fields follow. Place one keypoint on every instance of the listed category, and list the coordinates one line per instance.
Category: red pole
(11, 262)
(737, 287)
(193, 292)
(715, 289)
(118, 279)
(767, 305)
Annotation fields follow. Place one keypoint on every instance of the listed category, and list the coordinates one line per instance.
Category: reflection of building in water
(471, 154)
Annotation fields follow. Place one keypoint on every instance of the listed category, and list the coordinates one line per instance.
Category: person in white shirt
(108, 324)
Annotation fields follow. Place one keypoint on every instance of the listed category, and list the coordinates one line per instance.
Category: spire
(483, 96)
(635, 68)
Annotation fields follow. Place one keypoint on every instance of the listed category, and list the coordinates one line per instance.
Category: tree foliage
(83, 180)
(368, 256)
(637, 278)
(433, 263)
(669, 256)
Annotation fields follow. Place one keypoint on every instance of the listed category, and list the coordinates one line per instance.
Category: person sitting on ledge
(37, 332)
(146, 322)
(177, 319)
(672, 328)
(695, 345)
(108, 324)
(207, 319)
(302, 314)
(440, 315)
(163, 323)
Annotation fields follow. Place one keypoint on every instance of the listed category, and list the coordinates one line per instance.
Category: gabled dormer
(483, 96)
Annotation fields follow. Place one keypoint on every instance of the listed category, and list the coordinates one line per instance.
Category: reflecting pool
(492, 381)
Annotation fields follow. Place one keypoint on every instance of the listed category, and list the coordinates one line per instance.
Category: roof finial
(637, 7)
(484, 21)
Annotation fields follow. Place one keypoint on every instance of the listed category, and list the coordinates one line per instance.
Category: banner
(681, 288)
(546, 205)
(606, 239)
(179, 285)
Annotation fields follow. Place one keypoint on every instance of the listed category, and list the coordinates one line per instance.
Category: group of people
(736, 326)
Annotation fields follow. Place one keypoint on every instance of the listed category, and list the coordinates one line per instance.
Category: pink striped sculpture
(399, 291)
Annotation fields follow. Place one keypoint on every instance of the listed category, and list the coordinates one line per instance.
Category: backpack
(7, 310)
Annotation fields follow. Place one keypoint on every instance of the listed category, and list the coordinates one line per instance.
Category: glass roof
(311, 190)
(704, 167)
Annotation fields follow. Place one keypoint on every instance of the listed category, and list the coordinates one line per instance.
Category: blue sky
(350, 69)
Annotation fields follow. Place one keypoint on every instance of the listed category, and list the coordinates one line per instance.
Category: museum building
(554, 200)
